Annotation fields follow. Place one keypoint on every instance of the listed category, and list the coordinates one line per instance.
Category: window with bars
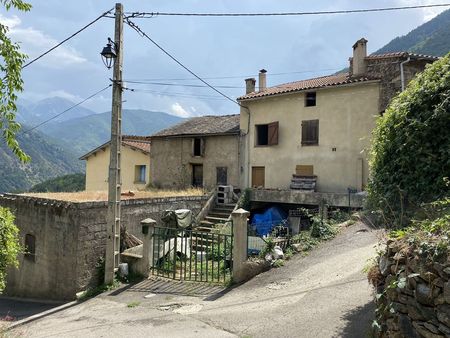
(310, 132)
(310, 99)
(30, 247)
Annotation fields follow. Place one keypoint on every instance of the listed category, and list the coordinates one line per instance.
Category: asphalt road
(324, 294)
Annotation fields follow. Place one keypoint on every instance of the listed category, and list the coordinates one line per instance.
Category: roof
(203, 126)
(401, 54)
(141, 143)
(318, 82)
(332, 80)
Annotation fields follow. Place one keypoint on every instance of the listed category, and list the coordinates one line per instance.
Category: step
(199, 239)
(219, 214)
(204, 229)
(216, 219)
(219, 209)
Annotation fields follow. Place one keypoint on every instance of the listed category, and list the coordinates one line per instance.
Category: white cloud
(178, 110)
(34, 42)
(65, 95)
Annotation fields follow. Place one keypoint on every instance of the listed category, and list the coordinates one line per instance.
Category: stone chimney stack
(250, 85)
(359, 55)
(262, 80)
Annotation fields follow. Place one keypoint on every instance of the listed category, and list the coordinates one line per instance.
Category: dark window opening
(197, 175)
(310, 132)
(222, 176)
(30, 247)
(310, 99)
(267, 134)
(198, 147)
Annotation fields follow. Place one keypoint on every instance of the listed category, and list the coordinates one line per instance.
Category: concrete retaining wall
(70, 239)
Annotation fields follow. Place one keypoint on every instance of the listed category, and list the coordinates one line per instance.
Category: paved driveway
(324, 294)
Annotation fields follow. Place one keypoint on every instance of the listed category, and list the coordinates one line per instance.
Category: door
(258, 177)
(197, 175)
(222, 175)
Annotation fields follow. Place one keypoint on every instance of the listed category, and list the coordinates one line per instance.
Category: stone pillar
(148, 228)
(323, 210)
(239, 218)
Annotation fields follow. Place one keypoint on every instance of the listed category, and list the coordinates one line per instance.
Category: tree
(11, 82)
(410, 153)
(9, 244)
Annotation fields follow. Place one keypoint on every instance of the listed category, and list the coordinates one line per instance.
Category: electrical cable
(143, 34)
(65, 111)
(178, 84)
(67, 39)
(367, 10)
(237, 76)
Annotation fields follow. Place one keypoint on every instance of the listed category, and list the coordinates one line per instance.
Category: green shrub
(9, 244)
(410, 150)
(321, 229)
(244, 200)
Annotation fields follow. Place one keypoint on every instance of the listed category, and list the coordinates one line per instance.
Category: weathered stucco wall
(172, 160)
(70, 239)
(346, 117)
(97, 166)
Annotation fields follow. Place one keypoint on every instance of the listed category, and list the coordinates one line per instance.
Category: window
(266, 134)
(310, 132)
(198, 147)
(30, 247)
(140, 173)
(222, 177)
(310, 99)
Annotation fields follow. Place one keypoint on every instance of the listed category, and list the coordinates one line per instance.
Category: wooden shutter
(310, 132)
(273, 133)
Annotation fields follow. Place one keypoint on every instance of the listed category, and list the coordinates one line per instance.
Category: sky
(289, 48)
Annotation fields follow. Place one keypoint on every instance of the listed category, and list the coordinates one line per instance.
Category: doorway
(197, 175)
(258, 177)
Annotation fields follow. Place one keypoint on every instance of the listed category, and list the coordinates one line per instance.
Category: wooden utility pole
(114, 178)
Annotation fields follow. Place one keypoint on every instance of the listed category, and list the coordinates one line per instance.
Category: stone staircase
(219, 214)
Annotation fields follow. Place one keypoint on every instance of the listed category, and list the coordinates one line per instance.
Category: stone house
(135, 163)
(320, 127)
(202, 151)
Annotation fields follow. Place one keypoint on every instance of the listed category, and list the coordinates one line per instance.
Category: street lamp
(109, 53)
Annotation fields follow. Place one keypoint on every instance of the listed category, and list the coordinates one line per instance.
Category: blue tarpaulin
(265, 222)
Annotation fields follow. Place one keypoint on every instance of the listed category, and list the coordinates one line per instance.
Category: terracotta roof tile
(318, 82)
(203, 125)
(137, 142)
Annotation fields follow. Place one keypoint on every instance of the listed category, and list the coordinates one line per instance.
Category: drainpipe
(402, 73)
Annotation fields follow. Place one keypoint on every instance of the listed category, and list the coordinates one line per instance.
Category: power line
(367, 10)
(176, 94)
(178, 84)
(236, 76)
(67, 39)
(65, 111)
(142, 33)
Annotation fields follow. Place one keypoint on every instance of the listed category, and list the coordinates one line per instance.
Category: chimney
(359, 55)
(250, 85)
(262, 80)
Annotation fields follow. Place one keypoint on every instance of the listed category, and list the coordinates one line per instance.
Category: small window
(267, 134)
(30, 247)
(198, 147)
(140, 174)
(310, 132)
(222, 178)
(310, 99)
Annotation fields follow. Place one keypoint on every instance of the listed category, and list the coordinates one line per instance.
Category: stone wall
(70, 239)
(413, 293)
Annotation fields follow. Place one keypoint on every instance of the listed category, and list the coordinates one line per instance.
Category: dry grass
(90, 196)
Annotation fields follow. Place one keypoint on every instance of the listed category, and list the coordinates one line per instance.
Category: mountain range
(431, 38)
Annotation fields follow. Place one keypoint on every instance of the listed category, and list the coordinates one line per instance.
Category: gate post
(148, 228)
(239, 218)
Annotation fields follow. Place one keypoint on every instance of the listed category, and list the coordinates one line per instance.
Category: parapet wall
(413, 294)
(70, 239)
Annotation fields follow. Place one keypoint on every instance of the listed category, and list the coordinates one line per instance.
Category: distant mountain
(86, 133)
(431, 38)
(48, 159)
(30, 113)
(66, 183)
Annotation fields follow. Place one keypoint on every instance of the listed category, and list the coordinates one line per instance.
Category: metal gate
(192, 255)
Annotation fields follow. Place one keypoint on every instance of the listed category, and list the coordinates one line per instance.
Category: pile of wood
(128, 240)
(303, 183)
